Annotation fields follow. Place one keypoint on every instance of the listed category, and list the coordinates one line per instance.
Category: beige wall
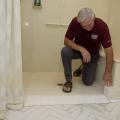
(114, 24)
(113, 92)
(41, 43)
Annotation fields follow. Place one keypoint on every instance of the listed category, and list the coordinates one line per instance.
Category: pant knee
(87, 83)
(89, 73)
(66, 52)
(88, 80)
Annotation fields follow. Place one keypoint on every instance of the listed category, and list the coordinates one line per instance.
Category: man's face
(88, 24)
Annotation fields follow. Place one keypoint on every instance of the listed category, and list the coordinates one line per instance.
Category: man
(83, 39)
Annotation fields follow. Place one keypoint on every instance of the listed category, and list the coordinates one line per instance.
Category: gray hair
(85, 13)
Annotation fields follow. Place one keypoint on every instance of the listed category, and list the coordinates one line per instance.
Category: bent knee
(88, 81)
(66, 51)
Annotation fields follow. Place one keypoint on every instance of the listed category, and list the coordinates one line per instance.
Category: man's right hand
(86, 55)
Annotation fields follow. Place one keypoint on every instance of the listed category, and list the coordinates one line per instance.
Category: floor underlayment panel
(42, 89)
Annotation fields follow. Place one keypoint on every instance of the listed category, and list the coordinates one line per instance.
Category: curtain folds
(11, 86)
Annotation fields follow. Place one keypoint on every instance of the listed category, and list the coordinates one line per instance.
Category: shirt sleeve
(70, 34)
(106, 38)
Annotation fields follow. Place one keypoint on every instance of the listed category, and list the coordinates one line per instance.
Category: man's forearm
(109, 59)
(85, 54)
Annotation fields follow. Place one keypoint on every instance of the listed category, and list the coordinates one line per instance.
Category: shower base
(42, 89)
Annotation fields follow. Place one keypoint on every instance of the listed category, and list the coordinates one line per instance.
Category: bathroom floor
(102, 111)
(46, 101)
(42, 89)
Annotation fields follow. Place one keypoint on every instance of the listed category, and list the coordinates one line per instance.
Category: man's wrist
(80, 48)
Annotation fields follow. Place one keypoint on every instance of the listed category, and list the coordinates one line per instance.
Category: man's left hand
(107, 77)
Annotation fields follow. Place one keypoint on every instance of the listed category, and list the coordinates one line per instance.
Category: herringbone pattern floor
(109, 111)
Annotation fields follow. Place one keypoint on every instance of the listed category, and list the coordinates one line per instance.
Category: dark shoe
(67, 87)
(78, 72)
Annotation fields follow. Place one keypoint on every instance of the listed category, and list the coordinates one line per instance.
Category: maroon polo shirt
(91, 40)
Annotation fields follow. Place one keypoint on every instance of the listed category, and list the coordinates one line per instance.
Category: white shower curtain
(11, 89)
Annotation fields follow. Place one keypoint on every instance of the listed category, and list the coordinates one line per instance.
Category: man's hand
(86, 55)
(107, 77)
